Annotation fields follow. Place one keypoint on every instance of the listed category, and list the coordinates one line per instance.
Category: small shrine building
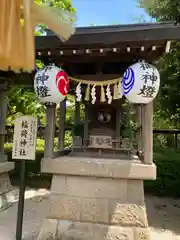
(97, 188)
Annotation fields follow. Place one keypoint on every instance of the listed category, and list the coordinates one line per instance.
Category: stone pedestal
(96, 199)
(5, 184)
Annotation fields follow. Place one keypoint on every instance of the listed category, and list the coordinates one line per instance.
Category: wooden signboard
(24, 142)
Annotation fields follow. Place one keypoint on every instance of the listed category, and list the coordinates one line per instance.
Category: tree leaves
(169, 65)
(62, 4)
(162, 9)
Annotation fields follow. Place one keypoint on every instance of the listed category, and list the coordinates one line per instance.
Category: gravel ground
(163, 215)
(35, 208)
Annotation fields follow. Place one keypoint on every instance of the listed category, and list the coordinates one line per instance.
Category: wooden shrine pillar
(50, 130)
(3, 113)
(77, 117)
(77, 140)
(118, 125)
(86, 124)
(139, 123)
(147, 132)
(62, 122)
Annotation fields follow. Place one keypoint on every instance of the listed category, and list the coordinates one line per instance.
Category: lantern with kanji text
(51, 84)
(141, 83)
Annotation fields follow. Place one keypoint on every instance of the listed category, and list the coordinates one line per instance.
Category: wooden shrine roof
(148, 41)
(112, 35)
(104, 49)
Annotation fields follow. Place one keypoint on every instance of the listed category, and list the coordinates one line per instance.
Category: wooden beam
(99, 51)
(86, 124)
(118, 124)
(62, 119)
(147, 55)
(147, 132)
(99, 77)
(77, 117)
(3, 114)
(139, 123)
(99, 68)
(50, 131)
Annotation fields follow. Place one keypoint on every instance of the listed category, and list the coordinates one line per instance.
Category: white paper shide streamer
(93, 94)
(120, 91)
(78, 93)
(108, 94)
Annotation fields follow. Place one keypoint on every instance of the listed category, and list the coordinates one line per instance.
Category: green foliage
(167, 103)
(169, 92)
(168, 174)
(70, 109)
(162, 10)
(62, 4)
(68, 139)
(139, 19)
(23, 101)
(78, 130)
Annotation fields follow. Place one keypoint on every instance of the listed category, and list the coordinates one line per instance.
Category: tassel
(93, 94)
(120, 90)
(108, 94)
(115, 94)
(103, 98)
(87, 94)
(78, 93)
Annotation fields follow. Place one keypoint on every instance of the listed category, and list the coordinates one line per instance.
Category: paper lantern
(141, 83)
(51, 84)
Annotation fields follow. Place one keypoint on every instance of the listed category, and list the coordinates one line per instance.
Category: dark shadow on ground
(35, 181)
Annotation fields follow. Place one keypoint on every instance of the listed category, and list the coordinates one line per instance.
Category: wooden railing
(165, 137)
(171, 137)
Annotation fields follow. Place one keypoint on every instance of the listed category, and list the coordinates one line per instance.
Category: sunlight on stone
(29, 194)
(157, 234)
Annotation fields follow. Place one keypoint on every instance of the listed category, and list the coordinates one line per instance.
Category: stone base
(68, 230)
(88, 208)
(5, 185)
(3, 158)
(107, 205)
(99, 167)
(6, 167)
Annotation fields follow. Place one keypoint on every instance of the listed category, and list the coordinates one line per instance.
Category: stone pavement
(163, 214)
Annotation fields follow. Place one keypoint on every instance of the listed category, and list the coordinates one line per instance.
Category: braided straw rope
(97, 83)
(116, 82)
